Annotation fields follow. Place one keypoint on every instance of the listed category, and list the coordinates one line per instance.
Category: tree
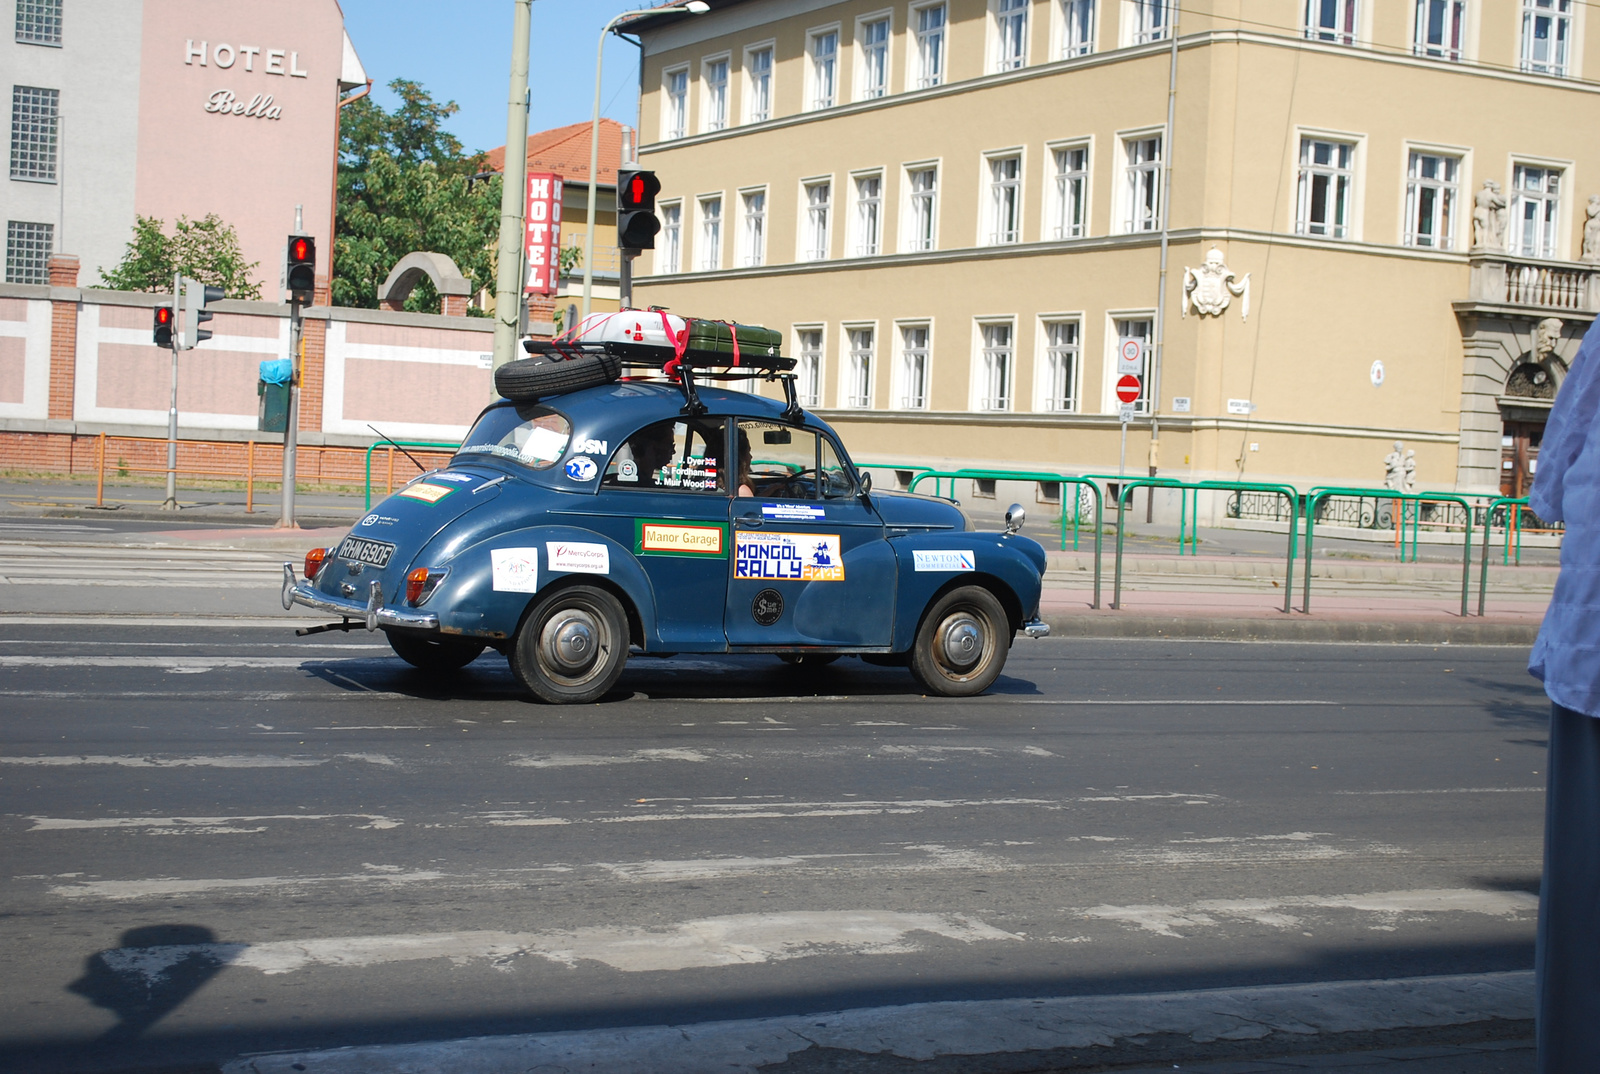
(206, 250)
(405, 184)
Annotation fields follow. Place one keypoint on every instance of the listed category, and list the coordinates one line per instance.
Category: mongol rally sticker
(654, 537)
(788, 557)
(425, 492)
(940, 559)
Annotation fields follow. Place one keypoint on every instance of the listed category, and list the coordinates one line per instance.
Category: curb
(237, 519)
(1389, 632)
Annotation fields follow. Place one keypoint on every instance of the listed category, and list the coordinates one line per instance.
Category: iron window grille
(1005, 200)
(923, 206)
(997, 355)
(760, 68)
(824, 69)
(874, 38)
(1143, 184)
(1011, 38)
(1077, 28)
(859, 393)
(808, 371)
(671, 248)
(1061, 366)
(710, 234)
(716, 76)
(819, 207)
(914, 367)
(869, 215)
(755, 228)
(677, 103)
(930, 46)
(1071, 192)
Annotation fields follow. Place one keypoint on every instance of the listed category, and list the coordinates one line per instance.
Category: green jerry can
(273, 390)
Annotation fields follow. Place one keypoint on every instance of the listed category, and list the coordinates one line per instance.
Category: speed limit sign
(1130, 357)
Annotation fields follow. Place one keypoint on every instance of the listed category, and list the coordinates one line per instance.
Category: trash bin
(273, 390)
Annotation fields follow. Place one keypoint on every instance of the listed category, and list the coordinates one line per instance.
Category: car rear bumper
(371, 611)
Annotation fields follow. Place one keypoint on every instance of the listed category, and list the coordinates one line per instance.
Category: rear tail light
(314, 560)
(421, 582)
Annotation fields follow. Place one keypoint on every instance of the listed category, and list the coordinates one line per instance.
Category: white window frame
(674, 106)
(1551, 232)
(866, 215)
(1456, 192)
(1138, 180)
(989, 394)
(715, 97)
(753, 227)
(858, 367)
(1070, 399)
(1146, 21)
(901, 395)
(815, 241)
(1077, 22)
(758, 104)
(709, 231)
(1345, 29)
(1452, 46)
(1115, 319)
(1057, 182)
(927, 50)
(809, 381)
(1002, 196)
(1561, 37)
(1306, 174)
(1009, 30)
(911, 238)
(669, 251)
(873, 73)
(822, 83)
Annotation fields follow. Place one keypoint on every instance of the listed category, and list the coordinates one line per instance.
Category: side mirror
(866, 483)
(1015, 517)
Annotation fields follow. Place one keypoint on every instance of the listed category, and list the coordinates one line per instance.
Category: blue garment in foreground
(1566, 489)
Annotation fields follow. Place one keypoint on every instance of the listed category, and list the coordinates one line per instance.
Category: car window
(533, 435)
(776, 461)
(836, 478)
(683, 455)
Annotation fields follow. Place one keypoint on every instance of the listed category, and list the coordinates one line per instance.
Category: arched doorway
(1530, 391)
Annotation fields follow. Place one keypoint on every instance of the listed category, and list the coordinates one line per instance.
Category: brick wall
(63, 270)
(314, 333)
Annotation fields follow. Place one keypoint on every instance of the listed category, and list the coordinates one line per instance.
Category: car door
(810, 565)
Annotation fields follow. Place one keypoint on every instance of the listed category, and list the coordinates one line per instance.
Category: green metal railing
(1316, 495)
(1188, 507)
(1513, 506)
(435, 445)
(1197, 487)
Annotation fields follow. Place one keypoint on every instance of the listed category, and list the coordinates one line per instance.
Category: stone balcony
(1502, 279)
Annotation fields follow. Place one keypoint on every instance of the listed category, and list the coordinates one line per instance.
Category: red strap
(680, 343)
(733, 331)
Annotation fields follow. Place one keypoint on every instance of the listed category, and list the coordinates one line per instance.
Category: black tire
(434, 654)
(962, 643)
(554, 374)
(571, 646)
(810, 660)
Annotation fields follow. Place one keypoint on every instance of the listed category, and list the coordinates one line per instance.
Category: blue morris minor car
(654, 516)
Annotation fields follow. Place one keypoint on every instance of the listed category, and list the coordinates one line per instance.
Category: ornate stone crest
(1209, 287)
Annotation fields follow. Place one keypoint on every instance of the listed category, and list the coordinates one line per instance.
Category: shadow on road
(139, 997)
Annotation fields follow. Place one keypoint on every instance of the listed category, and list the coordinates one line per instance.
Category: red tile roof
(565, 151)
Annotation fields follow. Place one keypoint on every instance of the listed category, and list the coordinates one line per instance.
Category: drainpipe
(1161, 282)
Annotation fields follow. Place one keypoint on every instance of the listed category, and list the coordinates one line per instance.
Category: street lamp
(693, 7)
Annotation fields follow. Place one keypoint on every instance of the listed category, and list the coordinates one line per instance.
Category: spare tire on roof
(555, 374)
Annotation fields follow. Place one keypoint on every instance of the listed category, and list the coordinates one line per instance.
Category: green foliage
(206, 250)
(570, 258)
(405, 185)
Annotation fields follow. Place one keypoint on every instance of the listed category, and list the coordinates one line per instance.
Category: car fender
(1009, 564)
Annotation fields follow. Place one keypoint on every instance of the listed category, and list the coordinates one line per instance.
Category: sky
(461, 51)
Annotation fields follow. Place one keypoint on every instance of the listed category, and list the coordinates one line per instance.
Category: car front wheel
(962, 643)
(571, 647)
(434, 654)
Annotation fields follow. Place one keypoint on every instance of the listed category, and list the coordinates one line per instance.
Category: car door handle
(749, 522)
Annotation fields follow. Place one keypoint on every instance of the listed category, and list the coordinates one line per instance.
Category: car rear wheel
(434, 654)
(962, 643)
(571, 647)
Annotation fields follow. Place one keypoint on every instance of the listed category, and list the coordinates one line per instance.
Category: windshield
(532, 435)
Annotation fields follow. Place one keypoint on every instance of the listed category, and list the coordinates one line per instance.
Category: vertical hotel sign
(542, 249)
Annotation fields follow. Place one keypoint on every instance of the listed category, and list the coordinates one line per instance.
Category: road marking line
(1389, 906)
(1453, 790)
(198, 824)
(222, 761)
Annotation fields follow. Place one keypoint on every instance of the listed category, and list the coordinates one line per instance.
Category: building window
(1331, 20)
(1440, 28)
(1071, 194)
(33, 133)
(28, 249)
(858, 374)
(1143, 186)
(1431, 200)
(1322, 201)
(39, 22)
(1011, 34)
(1005, 200)
(994, 389)
(913, 394)
(930, 23)
(1136, 329)
(677, 103)
(715, 76)
(1546, 33)
(823, 46)
(1535, 210)
(869, 215)
(873, 37)
(922, 208)
(819, 210)
(758, 68)
(755, 228)
(669, 256)
(710, 233)
(808, 367)
(1059, 378)
(1149, 20)
(1077, 28)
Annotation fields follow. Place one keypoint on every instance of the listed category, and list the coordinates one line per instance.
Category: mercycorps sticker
(577, 558)
(425, 492)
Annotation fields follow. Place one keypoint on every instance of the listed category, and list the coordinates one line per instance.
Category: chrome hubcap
(570, 641)
(960, 641)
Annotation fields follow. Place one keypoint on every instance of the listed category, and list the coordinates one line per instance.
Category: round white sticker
(1377, 374)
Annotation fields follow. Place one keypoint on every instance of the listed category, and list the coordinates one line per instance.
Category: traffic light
(195, 297)
(636, 210)
(300, 271)
(163, 326)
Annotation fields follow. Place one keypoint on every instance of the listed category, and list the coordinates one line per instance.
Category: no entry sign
(1127, 388)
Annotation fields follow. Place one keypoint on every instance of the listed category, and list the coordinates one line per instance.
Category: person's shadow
(149, 975)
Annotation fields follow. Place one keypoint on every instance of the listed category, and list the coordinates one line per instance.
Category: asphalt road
(218, 842)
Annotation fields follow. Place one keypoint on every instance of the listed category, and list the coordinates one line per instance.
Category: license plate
(361, 550)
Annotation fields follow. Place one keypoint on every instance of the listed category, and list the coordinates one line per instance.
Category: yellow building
(1372, 216)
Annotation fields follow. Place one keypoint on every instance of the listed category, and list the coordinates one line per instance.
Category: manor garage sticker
(662, 537)
(425, 492)
(788, 557)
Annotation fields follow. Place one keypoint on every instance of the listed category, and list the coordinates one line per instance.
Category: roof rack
(683, 371)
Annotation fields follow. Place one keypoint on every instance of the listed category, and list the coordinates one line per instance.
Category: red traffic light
(163, 315)
(300, 249)
(637, 190)
(161, 327)
(300, 269)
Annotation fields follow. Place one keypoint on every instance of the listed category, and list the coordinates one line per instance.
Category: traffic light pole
(171, 502)
(290, 430)
(625, 280)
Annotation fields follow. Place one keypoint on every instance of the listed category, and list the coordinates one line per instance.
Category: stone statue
(1591, 229)
(1400, 469)
(1489, 217)
(1408, 472)
(1208, 288)
(1547, 334)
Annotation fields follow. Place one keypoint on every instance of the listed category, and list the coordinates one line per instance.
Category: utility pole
(1161, 278)
(508, 281)
(171, 502)
(300, 268)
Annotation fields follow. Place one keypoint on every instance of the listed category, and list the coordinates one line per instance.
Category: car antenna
(421, 469)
